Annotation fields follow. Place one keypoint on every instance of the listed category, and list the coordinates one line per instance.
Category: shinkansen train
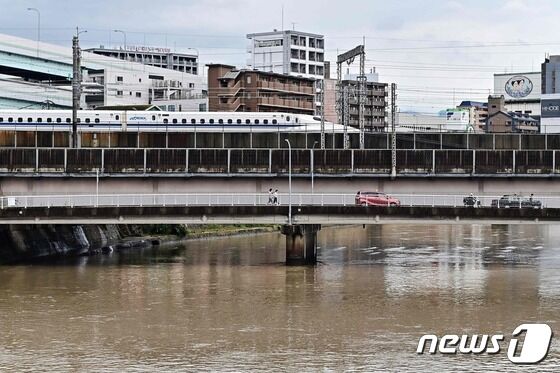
(158, 121)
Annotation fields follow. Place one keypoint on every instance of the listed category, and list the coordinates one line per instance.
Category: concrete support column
(301, 243)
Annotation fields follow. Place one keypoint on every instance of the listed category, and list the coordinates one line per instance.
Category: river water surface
(229, 304)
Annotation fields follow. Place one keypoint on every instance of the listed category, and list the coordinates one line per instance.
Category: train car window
(274, 121)
(39, 120)
(165, 121)
(202, 121)
(10, 120)
(256, 121)
(239, 121)
(96, 120)
(175, 121)
(288, 118)
(211, 121)
(88, 120)
(296, 119)
(193, 121)
(184, 121)
(230, 121)
(20, 120)
(153, 117)
(29, 120)
(79, 120)
(58, 120)
(1, 119)
(68, 120)
(116, 117)
(265, 121)
(220, 121)
(49, 120)
(247, 121)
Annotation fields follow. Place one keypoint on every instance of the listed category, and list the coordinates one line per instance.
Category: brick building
(231, 89)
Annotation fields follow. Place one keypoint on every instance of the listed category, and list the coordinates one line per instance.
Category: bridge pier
(301, 243)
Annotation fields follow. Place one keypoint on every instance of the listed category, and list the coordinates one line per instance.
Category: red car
(376, 199)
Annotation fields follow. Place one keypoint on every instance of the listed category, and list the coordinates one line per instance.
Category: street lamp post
(38, 26)
(124, 36)
(289, 181)
(197, 58)
(312, 166)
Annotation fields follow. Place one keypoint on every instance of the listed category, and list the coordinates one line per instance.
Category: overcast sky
(438, 52)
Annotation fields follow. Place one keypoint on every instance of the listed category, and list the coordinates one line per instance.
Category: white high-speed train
(168, 121)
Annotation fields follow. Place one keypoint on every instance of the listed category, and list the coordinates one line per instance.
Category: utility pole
(76, 86)
(345, 114)
(362, 96)
(393, 134)
(322, 99)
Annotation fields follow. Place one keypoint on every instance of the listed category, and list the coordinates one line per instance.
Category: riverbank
(29, 243)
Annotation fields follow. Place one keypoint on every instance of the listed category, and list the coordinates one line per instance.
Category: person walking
(275, 195)
(270, 197)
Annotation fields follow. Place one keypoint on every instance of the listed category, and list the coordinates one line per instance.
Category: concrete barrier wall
(26, 161)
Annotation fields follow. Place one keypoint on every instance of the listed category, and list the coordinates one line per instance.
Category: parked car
(376, 199)
(471, 201)
(516, 201)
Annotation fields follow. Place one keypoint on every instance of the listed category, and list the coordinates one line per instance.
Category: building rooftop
(235, 72)
(287, 32)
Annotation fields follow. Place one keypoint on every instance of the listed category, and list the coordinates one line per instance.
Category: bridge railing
(259, 199)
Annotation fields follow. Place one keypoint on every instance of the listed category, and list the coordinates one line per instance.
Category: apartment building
(231, 89)
(288, 52)
(501, 120)
(374, 106)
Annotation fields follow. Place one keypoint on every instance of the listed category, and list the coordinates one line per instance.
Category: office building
(287, 52)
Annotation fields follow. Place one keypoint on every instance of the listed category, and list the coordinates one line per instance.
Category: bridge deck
(249, 214)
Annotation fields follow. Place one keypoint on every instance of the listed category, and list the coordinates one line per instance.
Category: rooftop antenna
(282, 17)
(294, 26)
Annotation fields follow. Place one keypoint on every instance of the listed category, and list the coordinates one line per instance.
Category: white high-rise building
(288, 52)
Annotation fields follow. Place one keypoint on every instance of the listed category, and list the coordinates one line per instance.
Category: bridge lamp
(289, 181)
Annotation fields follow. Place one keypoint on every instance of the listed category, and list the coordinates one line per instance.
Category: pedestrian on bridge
(275, 195)
(270, 197)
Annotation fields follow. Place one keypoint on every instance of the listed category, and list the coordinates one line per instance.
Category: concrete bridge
(300, 215)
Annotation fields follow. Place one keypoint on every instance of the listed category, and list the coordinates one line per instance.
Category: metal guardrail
(250, 199)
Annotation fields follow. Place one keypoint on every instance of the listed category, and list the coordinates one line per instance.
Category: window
(78, 120)
(68, 120)
(130, 93)
(49, 120)
(230, 121)
(175, 121)
(193, 121)
(20, 120)
(116, 117)
(211, 121)
(220, 121)
(165, 121)
(29, 120)
(10, 120)
(265, 121)
(119, 93)
(96, 120)
(274, 121)
(138, 94)
(153, 117)
(119, 78)
(202, 121)
(184, 121)
(256, 121)
(248, 79)
(247, 121)
(288, 118)
(239, 121)
(1, 119)
(88, 120)
(39, 120)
